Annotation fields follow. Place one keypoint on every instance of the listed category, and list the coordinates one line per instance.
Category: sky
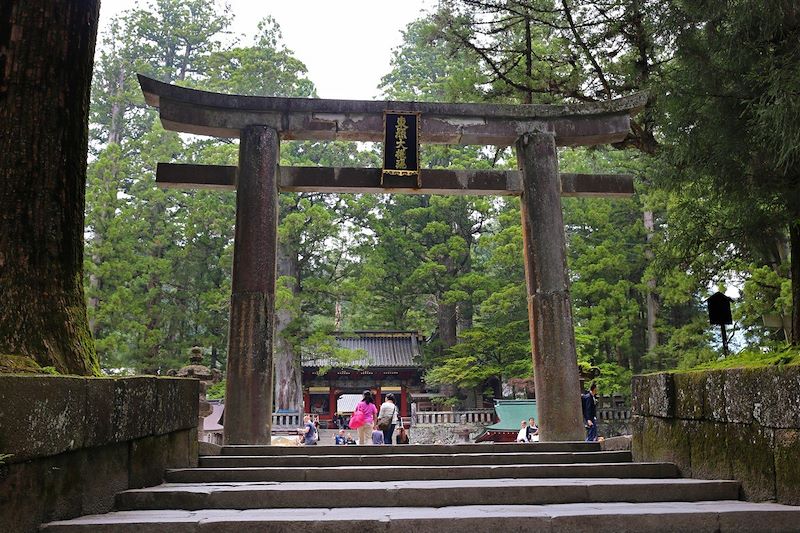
(346, 44)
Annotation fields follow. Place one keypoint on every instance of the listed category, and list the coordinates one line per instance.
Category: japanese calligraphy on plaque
(400, 150)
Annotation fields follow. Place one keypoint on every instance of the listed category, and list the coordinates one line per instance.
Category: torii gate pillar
(555, 369)
(248, 390)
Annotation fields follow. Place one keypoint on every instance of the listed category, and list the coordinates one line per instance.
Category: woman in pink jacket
(364, 418)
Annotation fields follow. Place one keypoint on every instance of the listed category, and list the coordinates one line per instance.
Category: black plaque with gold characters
(400, 150)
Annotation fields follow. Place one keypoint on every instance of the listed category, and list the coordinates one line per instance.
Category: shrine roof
(383, 349)
(511, 412)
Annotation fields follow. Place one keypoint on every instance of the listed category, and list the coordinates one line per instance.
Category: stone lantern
(201, 372)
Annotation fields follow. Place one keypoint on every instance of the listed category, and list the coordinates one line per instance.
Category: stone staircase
(550, 487)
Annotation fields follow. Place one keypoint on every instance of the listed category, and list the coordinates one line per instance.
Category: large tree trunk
(288, 372)
(447, 328)
(794, 237)
(46, 54)
(652, 296)
(447, 321)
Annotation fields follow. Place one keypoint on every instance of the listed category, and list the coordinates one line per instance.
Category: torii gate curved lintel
(226, 115)
(261, 122)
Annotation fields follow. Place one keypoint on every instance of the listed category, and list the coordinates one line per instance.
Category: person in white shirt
(389, 412)
(522, 436)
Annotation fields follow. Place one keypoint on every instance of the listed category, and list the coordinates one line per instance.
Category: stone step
(697, 517)
(410, 459)
(413, 448)
(404, 473)
(262, 495)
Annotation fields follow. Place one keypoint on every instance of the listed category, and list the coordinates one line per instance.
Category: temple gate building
(386, 362)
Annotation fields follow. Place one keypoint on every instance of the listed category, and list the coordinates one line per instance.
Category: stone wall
(741, 424)
(70, 443)
(444, 433)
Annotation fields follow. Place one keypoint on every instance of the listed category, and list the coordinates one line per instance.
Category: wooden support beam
(367, 180)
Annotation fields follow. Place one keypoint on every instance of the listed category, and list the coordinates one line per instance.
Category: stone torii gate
(261, 122)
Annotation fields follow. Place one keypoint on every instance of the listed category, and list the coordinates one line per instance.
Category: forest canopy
(716, 155)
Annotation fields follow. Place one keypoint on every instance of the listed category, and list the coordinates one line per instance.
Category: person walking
(364, 418)
(388, 418)
(589, 407)
(308, 431)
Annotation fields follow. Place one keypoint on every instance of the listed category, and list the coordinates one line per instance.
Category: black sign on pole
(400, 150)
(719, 314)
(719, 309)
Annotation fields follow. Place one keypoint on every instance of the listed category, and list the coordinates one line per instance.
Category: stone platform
(550, 487)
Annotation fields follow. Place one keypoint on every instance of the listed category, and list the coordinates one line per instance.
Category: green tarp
(511, 412)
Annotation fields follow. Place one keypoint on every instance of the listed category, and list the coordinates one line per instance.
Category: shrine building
(387, 362)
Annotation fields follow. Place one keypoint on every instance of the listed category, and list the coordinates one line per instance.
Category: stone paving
(248, 495)
(698, 517)
(419, 459)
(416, 472)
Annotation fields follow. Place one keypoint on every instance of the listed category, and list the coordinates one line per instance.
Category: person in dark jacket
(589, 405)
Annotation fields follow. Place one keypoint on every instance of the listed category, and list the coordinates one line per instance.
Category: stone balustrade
(475, 416)
(286, 420)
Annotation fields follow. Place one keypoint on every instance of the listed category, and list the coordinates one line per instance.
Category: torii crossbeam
(261, 122)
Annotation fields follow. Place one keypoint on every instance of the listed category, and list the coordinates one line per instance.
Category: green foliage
(158, 262)
(752, 359)
(216, 391)
(426, 67)
(730, 154)
(613, 379)
(766, 293)
(716, 154)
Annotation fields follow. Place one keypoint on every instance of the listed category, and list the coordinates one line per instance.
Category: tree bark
(446, 318)
(46, 57)
(288, 372)
(794, 237)
(652, 296)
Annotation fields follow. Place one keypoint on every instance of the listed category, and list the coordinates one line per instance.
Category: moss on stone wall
(752, 359)
(741, 423)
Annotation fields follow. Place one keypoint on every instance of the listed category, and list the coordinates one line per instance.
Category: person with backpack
(364, 418)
